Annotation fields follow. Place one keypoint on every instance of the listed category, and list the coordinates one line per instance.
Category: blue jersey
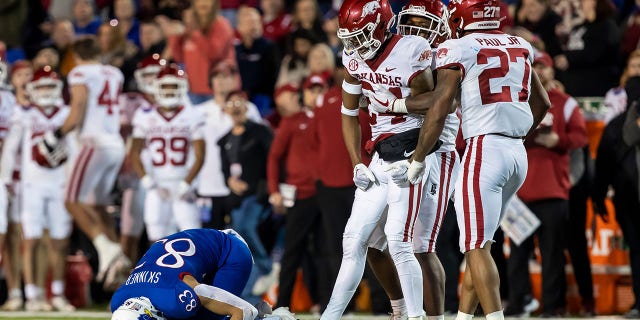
(158, 274)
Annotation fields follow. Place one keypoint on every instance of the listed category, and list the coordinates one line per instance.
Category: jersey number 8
(173, 253)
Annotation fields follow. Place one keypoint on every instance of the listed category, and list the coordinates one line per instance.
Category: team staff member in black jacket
(617, 166)
(244, 152)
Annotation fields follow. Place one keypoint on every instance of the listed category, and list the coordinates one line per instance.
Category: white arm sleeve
(249, 312)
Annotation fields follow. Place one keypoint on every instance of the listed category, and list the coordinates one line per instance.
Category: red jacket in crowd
(294, 150)
(548, 174)
(334, 165)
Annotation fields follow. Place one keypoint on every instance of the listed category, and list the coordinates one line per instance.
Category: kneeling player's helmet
(436, 30)
(170, 86)
(363, 25)
(139, 308)
(45, 88)
(465, 15)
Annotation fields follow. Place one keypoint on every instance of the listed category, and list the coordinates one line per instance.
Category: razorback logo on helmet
(369, 8)
(426, 55)
(442, 52)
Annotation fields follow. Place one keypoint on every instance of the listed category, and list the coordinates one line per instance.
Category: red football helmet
(363, 25)
(436, 26)
(45, 88)
(467, 15)
(146, 72)
(170, 86)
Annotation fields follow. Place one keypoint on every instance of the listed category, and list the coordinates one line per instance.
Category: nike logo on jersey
(408, 154)
(389, 69)
(384, 104)
(140, 265)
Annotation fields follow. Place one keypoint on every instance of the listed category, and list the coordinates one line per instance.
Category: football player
(10, 234)
(172, 133)
(193, 274)
(131, 222)
(502, 102)
(382, 67)
(43, 179)
(94, 90)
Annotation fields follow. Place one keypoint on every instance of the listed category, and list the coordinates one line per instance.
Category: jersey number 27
(506, 60)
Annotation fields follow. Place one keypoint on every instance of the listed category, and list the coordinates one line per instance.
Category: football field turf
(78, 315)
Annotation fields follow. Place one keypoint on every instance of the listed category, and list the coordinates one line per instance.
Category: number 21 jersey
(496, 80)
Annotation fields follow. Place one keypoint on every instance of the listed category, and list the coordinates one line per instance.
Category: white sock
(31, 291)
(398, 307)
(15, 293)
(439, 317)
(57, 287)
(463, 316)
(497, 315)
(101, 242)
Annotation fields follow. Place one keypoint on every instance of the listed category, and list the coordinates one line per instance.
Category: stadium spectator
(330, 27)
(588, 61)
(537, 17)
(307, 16)
(294, 68)
(617, 168)
(62, 38)
(13, 14)
(84, 18)
(631, 32)
(202, 40)
(112, 44)
(277, 22)
(321, 61)
(244, 151)
(294, 150)
(152, 41)
(616, 98)
(230, 9)
(125, 12)
(224, 80)
(562, 130)
(46, 56)
(258, 59)
(287, 100)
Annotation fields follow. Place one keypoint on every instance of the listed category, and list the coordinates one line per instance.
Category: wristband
(399, 106)
(351, 88)
(58, 133)
(349, 112)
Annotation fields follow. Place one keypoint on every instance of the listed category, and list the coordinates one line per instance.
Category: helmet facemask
(435, 29)
(362, 40)
(145, 77)
(137, 308)
(170, 91)
(45, 92)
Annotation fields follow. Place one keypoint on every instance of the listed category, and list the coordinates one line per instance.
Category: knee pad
(401, 252)
(353, 247)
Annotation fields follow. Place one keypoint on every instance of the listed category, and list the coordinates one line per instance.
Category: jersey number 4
(506, 58)
(106, 99)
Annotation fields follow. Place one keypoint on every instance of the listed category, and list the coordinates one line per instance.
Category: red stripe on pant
(465, 197)
(416, 211)
(477, 196)
(407, 224)
(74, 173)
(73, 197)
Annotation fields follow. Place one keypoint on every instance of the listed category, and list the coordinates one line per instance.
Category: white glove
(363, 177)
(398, 172)
(415, 172)
(147, 182)
(283, 313)
(183, 189)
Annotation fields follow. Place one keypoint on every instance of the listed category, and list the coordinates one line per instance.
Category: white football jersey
(129, 102)
(28, 126)
(7, 105)
(451, 124)
(168, 139)
(496, 82)
(101, 121)
(387, 77)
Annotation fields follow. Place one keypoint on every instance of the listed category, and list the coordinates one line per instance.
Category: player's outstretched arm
(137, 145)
(79, 96)
(538, 102)
(220, 301)
(351, 91)
(440, 100)
(199, 151)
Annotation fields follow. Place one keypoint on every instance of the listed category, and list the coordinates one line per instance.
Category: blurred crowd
(267, 73)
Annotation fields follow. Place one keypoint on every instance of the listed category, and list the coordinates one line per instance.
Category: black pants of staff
(302, 226)
(335, 208)
(577, 242)
(628, 217)
(553, 214)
